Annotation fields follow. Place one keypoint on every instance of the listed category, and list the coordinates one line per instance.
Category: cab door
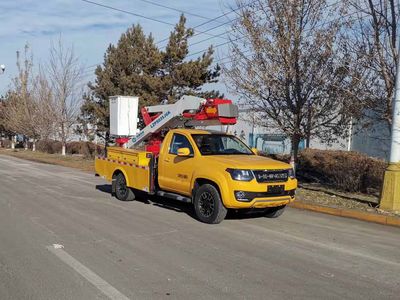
(175, 172)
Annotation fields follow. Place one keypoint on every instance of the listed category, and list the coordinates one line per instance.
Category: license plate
(275, 189)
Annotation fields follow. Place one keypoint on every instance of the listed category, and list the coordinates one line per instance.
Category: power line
(128, 12)
(210, 38)
(206, 22)
(199, 25)
(177, 10)
(216, 18)
(323, 24)
(236, 9)
(198, 32)
(243, 36)
(135, 14)
(216, 46)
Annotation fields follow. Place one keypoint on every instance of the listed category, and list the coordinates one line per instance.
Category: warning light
(211, 110)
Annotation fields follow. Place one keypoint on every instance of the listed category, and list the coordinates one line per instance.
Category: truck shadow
(105, 188)
(157, 201)
(178, 206)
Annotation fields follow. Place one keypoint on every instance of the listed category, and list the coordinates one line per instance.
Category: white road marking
(106, 288)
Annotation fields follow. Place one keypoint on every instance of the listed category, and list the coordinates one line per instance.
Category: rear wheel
(274, 212)
(208, 205)
(122, 191)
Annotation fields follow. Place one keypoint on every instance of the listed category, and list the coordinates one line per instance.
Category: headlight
(292, 174)
(241, 175)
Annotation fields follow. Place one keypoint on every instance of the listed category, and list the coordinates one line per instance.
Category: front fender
(217, 178)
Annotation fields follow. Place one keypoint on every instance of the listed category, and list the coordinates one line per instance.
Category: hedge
(342, 170)
(86, 149)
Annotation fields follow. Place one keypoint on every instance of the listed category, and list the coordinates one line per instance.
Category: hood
(253, 162)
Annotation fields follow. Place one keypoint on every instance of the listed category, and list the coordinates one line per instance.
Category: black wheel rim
(206, 204)
(121, 187)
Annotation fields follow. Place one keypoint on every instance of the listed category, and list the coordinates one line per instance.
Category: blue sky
(91, 28)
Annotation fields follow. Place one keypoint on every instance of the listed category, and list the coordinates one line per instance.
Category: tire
(274, 212)
(122, 192)
(208, 205)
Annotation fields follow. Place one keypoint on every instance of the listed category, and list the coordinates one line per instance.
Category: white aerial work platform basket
(123, 115)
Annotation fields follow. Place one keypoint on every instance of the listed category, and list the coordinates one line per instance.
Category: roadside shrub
(91, 149)
(86, 149)
(341, 170)
(74, 148)
(48, 146)
(6, 143)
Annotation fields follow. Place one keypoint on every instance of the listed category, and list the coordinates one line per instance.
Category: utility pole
(390, 199)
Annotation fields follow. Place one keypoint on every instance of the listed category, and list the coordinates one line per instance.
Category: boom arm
(188, 111)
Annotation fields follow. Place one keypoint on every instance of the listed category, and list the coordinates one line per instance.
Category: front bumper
(256, 195)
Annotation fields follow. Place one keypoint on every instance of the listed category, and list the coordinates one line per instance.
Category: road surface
(62, 236)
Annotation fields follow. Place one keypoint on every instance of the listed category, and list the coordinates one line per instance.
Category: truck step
(174, 196)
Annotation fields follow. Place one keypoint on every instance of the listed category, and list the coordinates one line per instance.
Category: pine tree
(182, 76)
(135, 66)
(130, 68)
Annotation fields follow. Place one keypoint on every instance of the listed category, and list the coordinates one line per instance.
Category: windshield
(220, 144)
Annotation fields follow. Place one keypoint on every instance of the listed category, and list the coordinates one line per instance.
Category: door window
(179, 141)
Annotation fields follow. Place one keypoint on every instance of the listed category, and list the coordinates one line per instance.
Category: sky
(90, 28)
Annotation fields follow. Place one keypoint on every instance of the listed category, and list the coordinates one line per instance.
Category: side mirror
(184, 152)
(255, 151)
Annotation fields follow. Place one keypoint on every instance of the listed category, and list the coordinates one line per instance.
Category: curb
(348, 213)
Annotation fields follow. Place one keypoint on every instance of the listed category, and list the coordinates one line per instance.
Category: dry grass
(335, 201)
(72, 161)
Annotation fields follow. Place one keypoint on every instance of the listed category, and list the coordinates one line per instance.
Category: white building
(373, 140)
(272, 140)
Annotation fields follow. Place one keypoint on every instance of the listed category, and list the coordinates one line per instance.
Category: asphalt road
(148, 250)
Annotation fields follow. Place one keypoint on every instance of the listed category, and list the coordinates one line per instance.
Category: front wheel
(208, 205)
(274, 212)
(122, 191)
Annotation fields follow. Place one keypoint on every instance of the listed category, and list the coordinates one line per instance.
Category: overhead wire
(216, 18)
(137, 15)
(206, 31)
(219, 61)
(199, 25)
(242, 37)
(176, 9)
(128, 12)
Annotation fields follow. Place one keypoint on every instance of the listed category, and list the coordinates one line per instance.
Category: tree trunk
(63, 149)
(308, 133)
(295, 146)
(34, 145)
(13, 142)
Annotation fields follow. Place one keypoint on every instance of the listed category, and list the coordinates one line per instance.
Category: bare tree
(373, 47)
(65, 74)
(287, 67)
(21, 109)
(46, 106)
(4, 131)
(28, 107)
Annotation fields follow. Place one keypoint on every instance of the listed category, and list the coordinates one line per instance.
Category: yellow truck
(214, 171)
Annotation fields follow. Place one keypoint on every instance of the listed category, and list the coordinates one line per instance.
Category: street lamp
(2, 68)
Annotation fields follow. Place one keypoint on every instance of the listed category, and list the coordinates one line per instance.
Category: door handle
(166, 159)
